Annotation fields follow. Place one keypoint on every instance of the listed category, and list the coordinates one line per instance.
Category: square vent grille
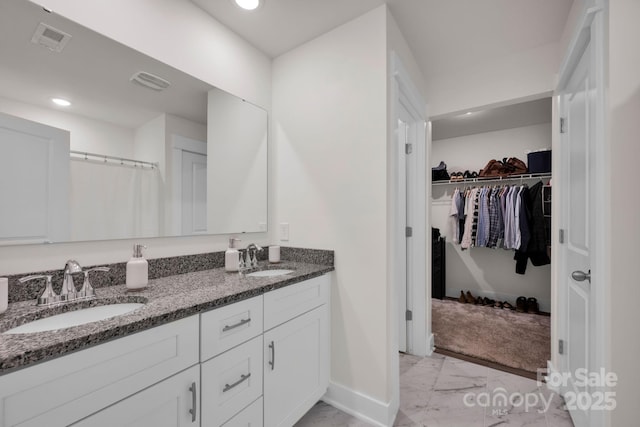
(52, 38)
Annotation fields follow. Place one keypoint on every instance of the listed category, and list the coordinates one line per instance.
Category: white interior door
(188, 199)
(578, 308)
(194, 193)
(36, 192)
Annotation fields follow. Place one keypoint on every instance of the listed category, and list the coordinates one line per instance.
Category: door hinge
(408, 148)
(563, 125)
(560, 346)
(408, 315)
(408, 231)
(561, 235)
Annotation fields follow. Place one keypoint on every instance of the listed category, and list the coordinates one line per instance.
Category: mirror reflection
(143, 150)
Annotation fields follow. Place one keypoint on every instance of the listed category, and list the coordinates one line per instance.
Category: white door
(409, 244)
(187, 204)
(37, 191)
(576, 158)
(580, 297)
(194, 193)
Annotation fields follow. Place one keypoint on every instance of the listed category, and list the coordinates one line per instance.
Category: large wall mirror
(144, 150)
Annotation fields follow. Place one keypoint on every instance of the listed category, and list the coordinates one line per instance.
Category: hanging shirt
(494, 218)
(468, 221)
(453, 216)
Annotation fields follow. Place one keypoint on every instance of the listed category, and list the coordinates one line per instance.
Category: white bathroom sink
(270, 273)
(75, 318)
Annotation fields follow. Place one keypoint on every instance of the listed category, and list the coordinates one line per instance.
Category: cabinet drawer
(251, 416)
(286, 303)
(230, 382)
(64, 390)
(228, 326)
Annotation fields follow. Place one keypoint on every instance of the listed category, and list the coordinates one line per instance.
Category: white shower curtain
(111, 201)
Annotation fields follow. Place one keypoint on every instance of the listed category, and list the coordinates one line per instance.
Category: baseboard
(431, 345)
(361, 406)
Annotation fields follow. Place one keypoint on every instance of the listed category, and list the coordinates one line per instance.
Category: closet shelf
(495, 179)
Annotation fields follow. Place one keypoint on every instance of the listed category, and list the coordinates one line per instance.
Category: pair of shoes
(466, 299)
(527, 305)
(488, 301)
(469, 175)
(503, 304)
(456, 176)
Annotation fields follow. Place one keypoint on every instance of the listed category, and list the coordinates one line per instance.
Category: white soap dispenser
(232, 256)
(137, 270)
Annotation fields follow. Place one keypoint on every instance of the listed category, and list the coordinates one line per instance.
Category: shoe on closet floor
(479, 301)
(497, 304)
(521, 305)
(532, 306)
(507, 306)
(488, 301)
(462, 298)
(470, 298)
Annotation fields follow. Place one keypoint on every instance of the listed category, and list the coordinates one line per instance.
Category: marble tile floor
(440, 391)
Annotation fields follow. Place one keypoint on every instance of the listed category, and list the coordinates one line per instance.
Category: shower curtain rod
(106, 158)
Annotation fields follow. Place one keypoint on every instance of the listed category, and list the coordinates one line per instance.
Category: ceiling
(443, 34)
(493, 119)
(92, 71)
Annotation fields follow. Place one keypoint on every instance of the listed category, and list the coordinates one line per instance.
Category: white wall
(330, 172)
(179, 34)
(624, 111)
(521, 76)
(483, 271)
(94, 136)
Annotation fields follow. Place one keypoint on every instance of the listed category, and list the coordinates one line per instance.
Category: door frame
(590, 33)
(403, 91)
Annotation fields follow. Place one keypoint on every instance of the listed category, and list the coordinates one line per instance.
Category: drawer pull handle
(272, 362)
(240, 323)
(242, 379)
(194, 402)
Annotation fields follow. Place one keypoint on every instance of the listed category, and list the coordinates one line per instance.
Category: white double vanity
(259, 361)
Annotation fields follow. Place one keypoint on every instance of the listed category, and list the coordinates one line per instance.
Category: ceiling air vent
(50, 37)
(150, 81)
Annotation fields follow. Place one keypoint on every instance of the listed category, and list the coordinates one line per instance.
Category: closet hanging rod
(495, 179)
(106, 158)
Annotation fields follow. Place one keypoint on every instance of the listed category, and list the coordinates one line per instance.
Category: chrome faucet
(68, 292)
(251, 261)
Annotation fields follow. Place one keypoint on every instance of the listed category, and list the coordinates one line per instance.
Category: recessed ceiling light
(468, 113)
(61, 102)
(249, 4)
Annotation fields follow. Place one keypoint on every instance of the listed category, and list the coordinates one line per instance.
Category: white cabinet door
(170, 403)
(296, 367)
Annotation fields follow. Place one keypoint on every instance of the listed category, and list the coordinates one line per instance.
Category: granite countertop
(166, 299)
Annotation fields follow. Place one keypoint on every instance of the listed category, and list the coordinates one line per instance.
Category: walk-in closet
(490, 217)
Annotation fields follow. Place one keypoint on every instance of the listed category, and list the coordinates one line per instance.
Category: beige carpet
(517, 340)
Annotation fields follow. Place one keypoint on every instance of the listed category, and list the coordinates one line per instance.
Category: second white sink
(75, 318)
(269, 273)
